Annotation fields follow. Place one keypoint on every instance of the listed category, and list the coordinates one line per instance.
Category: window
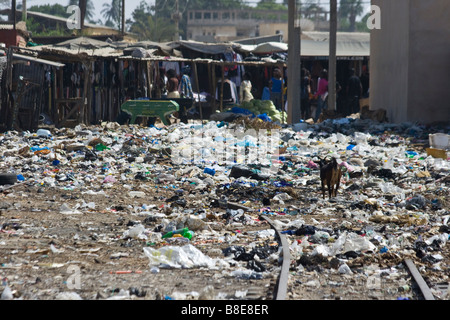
(198, 16)
(207, 16)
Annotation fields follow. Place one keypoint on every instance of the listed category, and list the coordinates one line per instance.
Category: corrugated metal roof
(101, 52)
(37, 60)
(340, 36)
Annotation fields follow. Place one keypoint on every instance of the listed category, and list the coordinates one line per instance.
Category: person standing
(321, 94)
(172, 84)
(186, 86)
(305, 92)
(276, 84)
(365, 79)
(354, 92)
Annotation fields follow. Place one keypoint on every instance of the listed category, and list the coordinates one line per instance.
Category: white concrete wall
(410, 60)
(429, 74)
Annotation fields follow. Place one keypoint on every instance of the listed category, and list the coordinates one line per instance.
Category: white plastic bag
(178, 257)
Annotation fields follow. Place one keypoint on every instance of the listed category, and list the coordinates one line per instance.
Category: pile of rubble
(73, 190)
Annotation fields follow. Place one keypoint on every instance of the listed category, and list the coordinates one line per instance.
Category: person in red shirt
(321, 94)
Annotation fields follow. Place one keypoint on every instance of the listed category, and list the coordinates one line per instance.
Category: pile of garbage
(203, 181)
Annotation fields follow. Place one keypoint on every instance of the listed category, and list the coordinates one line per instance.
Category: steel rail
(281, 285)
(419, 280)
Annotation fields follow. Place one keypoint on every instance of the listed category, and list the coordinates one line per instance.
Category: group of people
(346, 102)
(179, 88)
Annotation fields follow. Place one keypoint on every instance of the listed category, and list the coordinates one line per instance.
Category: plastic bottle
(185, 232)
(43, 133)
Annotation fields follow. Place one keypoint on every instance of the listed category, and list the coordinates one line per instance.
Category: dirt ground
(67, 241)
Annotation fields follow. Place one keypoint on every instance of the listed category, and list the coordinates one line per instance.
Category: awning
(311, 48)
(37, 60)
(207, 48)
(84, 43)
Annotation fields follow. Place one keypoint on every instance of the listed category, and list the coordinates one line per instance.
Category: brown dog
(330, 175)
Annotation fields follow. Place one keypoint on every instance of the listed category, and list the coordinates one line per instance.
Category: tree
(148, 27)
(54, 10)
(271, 5)
(112, 13)
(310, 9)
(349, 10)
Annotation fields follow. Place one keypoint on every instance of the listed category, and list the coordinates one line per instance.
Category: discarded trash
(440, 141)
(190, 194)
(135, 232)
(185, 232)
(178, 257)
(68, 296)
(65, 209)
(7, 294)
(43, 133)
(210, 171)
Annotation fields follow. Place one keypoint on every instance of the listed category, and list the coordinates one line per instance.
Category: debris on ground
(173, 212)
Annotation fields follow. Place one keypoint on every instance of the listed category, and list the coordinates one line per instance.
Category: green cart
(150, 108)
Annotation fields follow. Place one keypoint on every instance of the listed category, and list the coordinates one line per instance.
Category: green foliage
(113, 13)
(55, 10)
(349, 10)
(271, 5)
(147, 27)
(258, 107)
(40, 30)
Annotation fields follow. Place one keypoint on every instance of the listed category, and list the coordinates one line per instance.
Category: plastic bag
(352, 242)
(178, 257)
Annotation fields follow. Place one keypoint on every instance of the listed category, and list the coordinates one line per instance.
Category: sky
(130, 5)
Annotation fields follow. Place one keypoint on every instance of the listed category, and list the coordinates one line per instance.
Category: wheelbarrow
(150, 108)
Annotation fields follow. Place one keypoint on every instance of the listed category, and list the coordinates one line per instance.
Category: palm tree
(350, 9)
(148, 27)
(112, 13)
(311, 10)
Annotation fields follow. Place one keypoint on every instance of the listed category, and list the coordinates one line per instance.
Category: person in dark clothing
(305, 92)
(365, 79)
(339, 100)
(354, 92)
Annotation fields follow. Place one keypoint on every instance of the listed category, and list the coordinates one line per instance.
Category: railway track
(280, 292)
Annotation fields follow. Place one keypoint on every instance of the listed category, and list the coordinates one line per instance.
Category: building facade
(231, 25)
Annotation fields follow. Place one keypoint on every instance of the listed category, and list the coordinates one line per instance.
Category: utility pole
(13, 18)
(82, 4)
(176, 17)
(332, 57)
(123, 17)
(294, 64)
(24, 10)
